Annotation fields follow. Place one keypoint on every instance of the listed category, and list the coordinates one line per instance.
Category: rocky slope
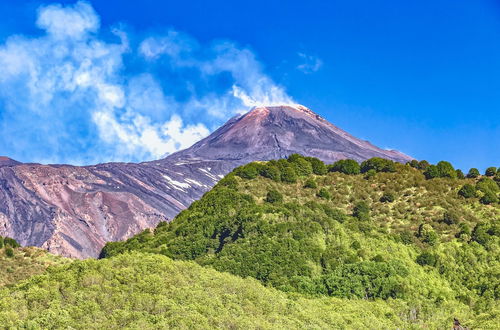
(73, 211)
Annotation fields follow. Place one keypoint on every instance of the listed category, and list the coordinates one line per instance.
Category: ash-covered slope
(73, 211)
(273, 132)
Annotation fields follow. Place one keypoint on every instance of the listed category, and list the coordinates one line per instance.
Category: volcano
(74, 210)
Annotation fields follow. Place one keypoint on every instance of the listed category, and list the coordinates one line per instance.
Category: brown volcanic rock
(74, 211)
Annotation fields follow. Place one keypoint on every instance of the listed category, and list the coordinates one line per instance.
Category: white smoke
(69, 96)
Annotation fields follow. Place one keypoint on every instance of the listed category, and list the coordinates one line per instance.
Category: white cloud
(71, 21)
(68, 95)
(310, 63)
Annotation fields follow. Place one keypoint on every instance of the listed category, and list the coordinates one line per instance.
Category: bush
(248, 171)
(388, 197)
(346, 166)
(9, 252)
(490, 171)
(427, 258)
(323, 193)
(427, 234)
(11, 242)
(361, 211)
(489, 198)
(378, 164)
(451, 217)
(310, 183)
(480, 234)
(274, 196)
(460, 174)
(473, 173)
(441, 170)
(467, 191)
(1, 242)
(423, 165)
(288, 175)
(271, 172)
(318, 167)
(487, 184)
(413, 163)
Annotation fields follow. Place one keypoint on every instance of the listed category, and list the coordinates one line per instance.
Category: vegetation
(144, 291)
(18, 263)
(291, 243)
(392, 233)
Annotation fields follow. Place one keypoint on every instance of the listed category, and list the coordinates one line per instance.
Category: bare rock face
(73, 211)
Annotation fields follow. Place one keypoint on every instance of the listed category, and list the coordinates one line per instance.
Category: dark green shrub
(9, 252)
(323, 193)
(388, 197)
(460, 174)
(274, 196)
(335, 214)
(378, 164)
(406, 237)
(346, 166)
(487, 184)
(361, 211)
(423, 165)
(370, 174)
(1, 242)
(467, 191)
(10, 242)
(249, 171)
(288, 175)
(490, 171)
(310, 183)
(451, 217)
(489, 197)
(473, 173)
(480, 234)
(413, 163)
(318, 167)
(427, 258)
(427, 234)
(271, 172)
(302, 167)
(431, 172)
(446, 170)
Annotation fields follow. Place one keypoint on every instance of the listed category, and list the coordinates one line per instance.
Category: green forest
(290, 243)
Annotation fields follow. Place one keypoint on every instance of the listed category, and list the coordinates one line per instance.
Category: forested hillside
(419, 234)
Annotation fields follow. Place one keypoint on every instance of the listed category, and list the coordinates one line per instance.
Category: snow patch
(177, 185)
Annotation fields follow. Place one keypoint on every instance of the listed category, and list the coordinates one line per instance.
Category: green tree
(473, 173)
(489, 197)
(423, 165)
(346, 166)
(427, 258)
(361, 211)
(490, 171)
(431, 172)
(378, 164)
(274, 196)
(446, 170)
(427, 234)
(460, 174)
(388, 197)
(289, 175)
(310, 183)
(301, 165)
(323, 193)
(413, 163)
(318, 167)
(467, 191)
(9, 252)
(271, 172)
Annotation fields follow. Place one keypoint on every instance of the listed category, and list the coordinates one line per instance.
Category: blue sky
(133, 80)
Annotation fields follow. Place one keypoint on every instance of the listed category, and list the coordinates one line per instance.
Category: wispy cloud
(310, 63)
(70, 95)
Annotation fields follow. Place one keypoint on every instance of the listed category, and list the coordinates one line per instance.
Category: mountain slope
(385, 234)
(74, 211)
